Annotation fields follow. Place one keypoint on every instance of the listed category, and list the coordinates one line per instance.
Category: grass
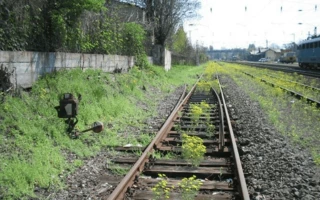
(118, 170)
(281, 80)
(33, 141)
(165, 156)
(290, 116)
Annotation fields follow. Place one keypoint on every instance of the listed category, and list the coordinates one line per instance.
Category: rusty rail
(157, 143)
(239, 171)
(221, 126)
(293, 93)
(138, 167)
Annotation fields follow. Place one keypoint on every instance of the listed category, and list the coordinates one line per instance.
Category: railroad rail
(220, 172)
(294, 93)
(284, 68)
(296, 83)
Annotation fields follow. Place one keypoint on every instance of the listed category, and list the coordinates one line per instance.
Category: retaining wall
(28, 66)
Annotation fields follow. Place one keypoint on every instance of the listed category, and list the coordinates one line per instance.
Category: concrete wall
(167, 60)
(161, 57)
(150, 60)
(29, 66)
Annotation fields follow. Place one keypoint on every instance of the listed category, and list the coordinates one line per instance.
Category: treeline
(87, 26)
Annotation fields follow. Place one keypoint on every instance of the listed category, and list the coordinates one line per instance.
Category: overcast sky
(238, 23)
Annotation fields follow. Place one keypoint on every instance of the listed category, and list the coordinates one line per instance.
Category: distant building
(271, 54)
(127, 11)
(227, 54)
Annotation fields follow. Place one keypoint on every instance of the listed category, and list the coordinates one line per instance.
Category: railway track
(294, 93)
(218, 174)
(283, 68)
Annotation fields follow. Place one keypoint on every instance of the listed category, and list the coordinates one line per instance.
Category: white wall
(29, 66)
(167, 60)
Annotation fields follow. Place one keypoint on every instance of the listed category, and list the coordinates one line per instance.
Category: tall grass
(34, 144)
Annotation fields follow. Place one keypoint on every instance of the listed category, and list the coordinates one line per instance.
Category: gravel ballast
(274, 167)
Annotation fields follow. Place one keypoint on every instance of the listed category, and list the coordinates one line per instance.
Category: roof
(260, 51)
(311, 40)
(137, 3)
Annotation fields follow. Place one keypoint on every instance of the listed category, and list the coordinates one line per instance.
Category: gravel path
(274, 167)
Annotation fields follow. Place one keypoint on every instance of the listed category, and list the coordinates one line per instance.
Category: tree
(59, 14)
(251, 47)
(274, 46)
(290, 46)
(166, 15)
(180, 41)
(163, 16)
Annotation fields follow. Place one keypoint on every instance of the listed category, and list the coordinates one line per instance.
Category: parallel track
(294, 93)
(220, 171)
(284, 68)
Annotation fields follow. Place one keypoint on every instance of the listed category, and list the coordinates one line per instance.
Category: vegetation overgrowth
(189, 187)
(192, 149)
(161, 190)
(87, 26)
(285, 81)
(96, 26)
(291, 117)
(34, 145)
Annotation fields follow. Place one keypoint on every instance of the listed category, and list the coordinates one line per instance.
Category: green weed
(161, 189)
(193, 149)
(290, 116)
(34, 141)
(117, 169)
(162, 155)
(189, 187)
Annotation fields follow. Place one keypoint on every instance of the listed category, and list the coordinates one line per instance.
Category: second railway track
(219, 172)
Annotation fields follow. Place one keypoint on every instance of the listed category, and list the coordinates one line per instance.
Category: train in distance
(288, 57)
(308, 53)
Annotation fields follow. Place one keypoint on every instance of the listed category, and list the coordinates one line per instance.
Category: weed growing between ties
(34, 144)
(289, 115)
(192, 149)
(161, 190)
(161, 155)
(189, 187)
(200, 115)
(206, 108)
(196, 112)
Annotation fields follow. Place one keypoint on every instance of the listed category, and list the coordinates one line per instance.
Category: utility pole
(294, 37)
(267, 43)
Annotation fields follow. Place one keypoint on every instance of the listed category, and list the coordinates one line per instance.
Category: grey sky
(238, 23)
